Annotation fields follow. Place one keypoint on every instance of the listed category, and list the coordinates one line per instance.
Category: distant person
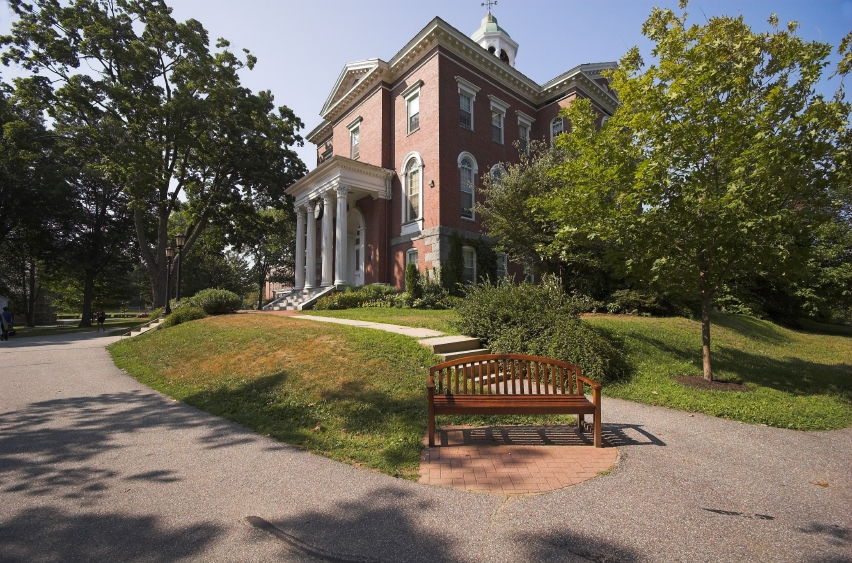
(101, 316)
(7, 321)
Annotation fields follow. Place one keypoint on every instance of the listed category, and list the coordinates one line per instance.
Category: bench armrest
(587, 381)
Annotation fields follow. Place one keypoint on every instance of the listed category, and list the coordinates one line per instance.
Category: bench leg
(598, 439)
(431, 426)
(581, 422)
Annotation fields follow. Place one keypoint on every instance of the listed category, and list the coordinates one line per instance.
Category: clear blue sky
(302, 45)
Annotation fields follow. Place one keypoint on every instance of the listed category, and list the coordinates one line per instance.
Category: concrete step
(463, 354)
(447, 344)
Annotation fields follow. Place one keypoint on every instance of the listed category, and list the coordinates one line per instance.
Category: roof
(357, 78)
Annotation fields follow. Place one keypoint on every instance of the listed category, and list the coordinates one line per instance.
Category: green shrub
(412, 281)
(184, 314)
(539, 319)
(632, 302)
(215, 301)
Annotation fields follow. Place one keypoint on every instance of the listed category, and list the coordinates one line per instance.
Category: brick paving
(513, 461)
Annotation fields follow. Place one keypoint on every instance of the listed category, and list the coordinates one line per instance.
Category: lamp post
(170, 253)
(179, 240)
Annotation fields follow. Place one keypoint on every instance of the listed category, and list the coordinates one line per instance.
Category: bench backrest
(506, 374)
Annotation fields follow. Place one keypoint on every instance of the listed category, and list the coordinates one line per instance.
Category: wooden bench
(511, 384)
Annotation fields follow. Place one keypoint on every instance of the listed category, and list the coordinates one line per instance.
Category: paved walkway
(514, 461)
(96, 467)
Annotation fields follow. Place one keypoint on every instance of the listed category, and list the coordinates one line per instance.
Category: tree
(168, 117)
(34, 199)
(267, 239)
(733, 150)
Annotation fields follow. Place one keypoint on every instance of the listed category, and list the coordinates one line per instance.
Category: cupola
(496, 40)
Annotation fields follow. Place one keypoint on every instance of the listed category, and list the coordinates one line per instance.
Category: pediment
(350, 76)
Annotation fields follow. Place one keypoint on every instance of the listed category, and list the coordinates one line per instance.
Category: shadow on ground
(37, 443)
(48, 535)
(379, 528)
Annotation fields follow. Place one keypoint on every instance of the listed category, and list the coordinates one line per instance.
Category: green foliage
(215, 301)
(452, 274)
(633, 302)
(184, 314)
(412, 281)
(539, 319)
(166, 115)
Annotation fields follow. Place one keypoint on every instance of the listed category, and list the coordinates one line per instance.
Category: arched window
(556, 127)
(466, 168)
(412, 190)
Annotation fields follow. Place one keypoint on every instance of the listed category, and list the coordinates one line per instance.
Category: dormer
(496, 40)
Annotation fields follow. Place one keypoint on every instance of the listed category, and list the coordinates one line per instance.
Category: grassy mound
(351, 394)
(797, 379)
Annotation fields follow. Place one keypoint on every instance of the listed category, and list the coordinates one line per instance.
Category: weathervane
(489, 3)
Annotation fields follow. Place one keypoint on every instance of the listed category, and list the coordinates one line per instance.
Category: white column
(311, 253)
(342, 243)
(300, 248)
(327, 238)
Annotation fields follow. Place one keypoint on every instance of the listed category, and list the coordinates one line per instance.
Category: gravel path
(96, 467)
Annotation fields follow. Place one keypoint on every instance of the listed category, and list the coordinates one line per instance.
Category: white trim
(410, 91)
(497, 102)
(355, 123)
(465, 154)
(524, 118)
(467, 86)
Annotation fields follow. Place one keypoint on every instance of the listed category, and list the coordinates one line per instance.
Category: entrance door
(356, 247)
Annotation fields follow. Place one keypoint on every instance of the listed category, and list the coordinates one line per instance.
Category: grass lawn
(798, 379)
(436, 320)
(354, 395)
(113, 326)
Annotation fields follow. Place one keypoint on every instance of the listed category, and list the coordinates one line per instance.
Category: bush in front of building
(184, 314)
(412, 281)
(215, 301)
(538, 319)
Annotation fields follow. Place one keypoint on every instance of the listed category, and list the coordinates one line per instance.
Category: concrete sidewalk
(96, 467)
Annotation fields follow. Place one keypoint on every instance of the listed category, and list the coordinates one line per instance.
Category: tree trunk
(705, 335)
(32, 296)
(88, 290)
(261, 285)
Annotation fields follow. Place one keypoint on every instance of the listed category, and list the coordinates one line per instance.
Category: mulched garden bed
(699, 382)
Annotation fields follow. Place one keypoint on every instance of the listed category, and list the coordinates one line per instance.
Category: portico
(328, 194)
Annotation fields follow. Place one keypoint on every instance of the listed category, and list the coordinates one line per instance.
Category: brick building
(404, 145)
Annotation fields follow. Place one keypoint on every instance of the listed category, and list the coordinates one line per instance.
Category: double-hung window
(498, 115)
(411, 95)
(466, 115)
(413, 105)
(524, 126)
(355, 138)
(466, 168)
(467, 96)
(497, 126)
(411, 257)
(469, 256)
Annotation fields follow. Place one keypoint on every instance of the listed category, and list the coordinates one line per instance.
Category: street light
(179, 240)
(170, 253)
